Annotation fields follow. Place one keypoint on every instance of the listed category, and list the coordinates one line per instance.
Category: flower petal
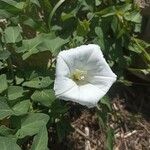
(62, 69)
(90, 95)
(62, 85)
(102, 82)
(96, 64)
(76, 58)
(101, 69)
(87, 95)
(71, 95)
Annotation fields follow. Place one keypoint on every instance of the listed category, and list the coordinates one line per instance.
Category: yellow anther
(79, 75)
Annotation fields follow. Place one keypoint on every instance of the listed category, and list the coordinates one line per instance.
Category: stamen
(79, 75)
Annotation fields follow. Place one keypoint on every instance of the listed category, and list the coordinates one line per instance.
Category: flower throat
(78, 75)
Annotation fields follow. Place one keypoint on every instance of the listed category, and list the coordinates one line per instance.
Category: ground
(130, 122)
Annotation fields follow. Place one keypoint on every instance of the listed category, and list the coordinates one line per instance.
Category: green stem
(53, 12)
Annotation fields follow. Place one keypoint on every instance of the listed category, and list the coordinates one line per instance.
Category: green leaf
(125, 7)
(1, 65)
(133, 16)
(137, 27)
(22, 107)
(141, 73)
(115, 24)
(12, 6)
(57, 109)
(63, 128)
(3, 83)
(66, 16)
(53, 45)
(56, 28)
(102, 118)
(13, 3)
(110, 139)
(45, 97)
(125, 82)
(105, 101)
(32, 124)
(4, 131)
(18, 80)
(87, 5)
(4, 55)
(103, 110)
(30, 47)
(58, 4)
(35, 2)
(134, 47)
(40, 141)
(4, 14)
(98, 2)
(101, 38)
(83, 27)
(139, 46)
(47, 5)
(32, 23)
(43, 42)
(38, 83)
(5, 110)
(12, 34)
(108, 11)
(8, 144)
(15, 92)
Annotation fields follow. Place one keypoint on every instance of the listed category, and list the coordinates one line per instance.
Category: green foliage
(63, 127)
(38, 82)
(3, 83)
(4, 131)
(21, 108)
(40, 140)
(110, 139)
(32, 124)
(15, 92)
(12, 35)
(32, 33)
(8, 143)
(4, 55)
(45, 97)
(5, 110)
(103, 113)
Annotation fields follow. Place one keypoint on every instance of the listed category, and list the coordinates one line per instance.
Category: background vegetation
(32, 32)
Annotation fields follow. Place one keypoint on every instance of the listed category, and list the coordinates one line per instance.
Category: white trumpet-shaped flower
(82, 75)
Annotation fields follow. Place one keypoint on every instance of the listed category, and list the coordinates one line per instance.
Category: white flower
(82, 75)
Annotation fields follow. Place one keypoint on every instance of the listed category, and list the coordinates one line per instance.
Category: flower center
(79, 75)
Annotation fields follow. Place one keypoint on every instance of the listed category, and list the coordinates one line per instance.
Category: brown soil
(130, 121)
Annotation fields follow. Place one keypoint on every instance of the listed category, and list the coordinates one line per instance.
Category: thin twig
(144, 127)
(98, 107)
(129, 134)
(125, 143)
(125, 135)
(83, 134)
(87, 142)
